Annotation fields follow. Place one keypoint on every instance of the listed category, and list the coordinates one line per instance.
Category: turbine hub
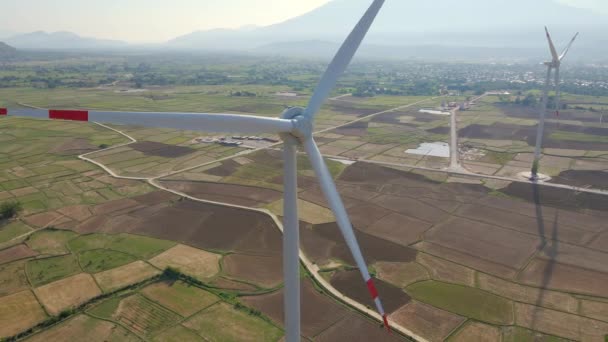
(302, 125)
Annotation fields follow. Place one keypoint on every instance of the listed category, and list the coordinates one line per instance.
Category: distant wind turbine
(555, 63)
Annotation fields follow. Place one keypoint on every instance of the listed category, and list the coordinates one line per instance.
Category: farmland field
(436, 242)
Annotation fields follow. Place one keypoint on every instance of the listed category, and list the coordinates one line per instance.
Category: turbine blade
(565, 52)
(551, 46)
(342, 60)
(184, 121)
(335, 202)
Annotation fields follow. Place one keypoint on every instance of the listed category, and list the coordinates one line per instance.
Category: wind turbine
(555, 63)
(296, 128)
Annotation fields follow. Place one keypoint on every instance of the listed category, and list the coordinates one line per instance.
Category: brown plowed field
(214, 227)
(226, 168)
(553, 275)
(357, 129)
(74, 146)
(249, 196)
(155, 197)
(560, 198)
(479, 332)
(357, 328)
(318, 312)
(67, 293)
(260, 270)
(497, 245)
(543, 227)
(401, 229)
(583, 178)
(558, 323)
(329, 241)
(15, 253)
(351, 284)
(428, 322)
(151, 148)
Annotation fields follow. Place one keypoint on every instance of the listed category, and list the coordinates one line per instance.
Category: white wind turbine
(296, 128)
(555, 63)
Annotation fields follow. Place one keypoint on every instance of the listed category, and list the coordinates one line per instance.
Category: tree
(10, 209)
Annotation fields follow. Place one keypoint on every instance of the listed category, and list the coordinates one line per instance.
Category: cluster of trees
(10, 209)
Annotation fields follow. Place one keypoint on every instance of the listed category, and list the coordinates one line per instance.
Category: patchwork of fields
(93, 248)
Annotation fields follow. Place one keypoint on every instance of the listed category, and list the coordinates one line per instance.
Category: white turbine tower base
(295, 127)
(554, 64)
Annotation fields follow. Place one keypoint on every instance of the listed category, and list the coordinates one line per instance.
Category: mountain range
(416, 28)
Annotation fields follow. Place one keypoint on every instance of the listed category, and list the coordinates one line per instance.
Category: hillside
(467, 23)
(7, 50)
(60, 40)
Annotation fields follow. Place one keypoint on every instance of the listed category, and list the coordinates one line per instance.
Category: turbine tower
(555, 63)
(296, 128)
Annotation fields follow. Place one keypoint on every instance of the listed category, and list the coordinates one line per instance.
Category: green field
(221, 322)
(98, 260)
(142, 247)
(88, 242)
(44, 271)
(12, 230)
(50, 241)
(459, 299)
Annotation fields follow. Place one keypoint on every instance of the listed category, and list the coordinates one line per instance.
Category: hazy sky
(160, 20)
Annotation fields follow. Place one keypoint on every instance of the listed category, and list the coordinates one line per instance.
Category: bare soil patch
(125, 275)
(559, 198)
(541, 297)
(401, 274)
(446, 271)
(76, 212)
(249, 196)
(553, 275)
(226, 168)
(357, 328)
(223, 283)
(214, 227)
(429, 322)
(401, 229)
(67, 293)
(352, 285)
(15, 253)
(155, 197)
(558, 323)
(114, 206)
(318, 312)
(583, 178)
(477, 332)
(151, 148)
(74, 146)
(19, 312)
(356, 129)
(325, 240)
(501, 246)
(261, 270)
(43, 219)
(192, 261)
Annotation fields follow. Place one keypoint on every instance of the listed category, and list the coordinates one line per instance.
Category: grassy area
(106, 309)
(44, 271)
(459, 299)
(88, 242)
(180, 297)
(12, 230)
(142, 247)
(573, 136)
(98, 260)
(177, 333)
(221, 322)
(519, 334)
(50, 241)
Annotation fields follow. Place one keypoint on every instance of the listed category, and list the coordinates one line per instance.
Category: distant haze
(162, 20)
(404, 29)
